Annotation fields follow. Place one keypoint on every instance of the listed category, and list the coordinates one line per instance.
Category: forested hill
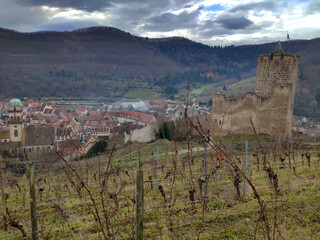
(107, 62)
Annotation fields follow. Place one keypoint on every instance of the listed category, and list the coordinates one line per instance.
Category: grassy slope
(241, 88)
(62, 215)
(205, 92)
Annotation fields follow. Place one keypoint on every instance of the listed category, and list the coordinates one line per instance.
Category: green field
(200, 90)
(241, 88)
(205, 92)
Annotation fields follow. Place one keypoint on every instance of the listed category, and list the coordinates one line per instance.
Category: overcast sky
(213, 22)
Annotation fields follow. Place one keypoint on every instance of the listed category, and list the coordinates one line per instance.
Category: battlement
(275, 68)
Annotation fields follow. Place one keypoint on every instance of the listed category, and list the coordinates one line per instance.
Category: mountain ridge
(108, 62)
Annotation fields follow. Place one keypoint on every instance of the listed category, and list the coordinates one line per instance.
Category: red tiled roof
(136, 115)
(73, 123)
(95, 113)
(156, 103)
(93, 118)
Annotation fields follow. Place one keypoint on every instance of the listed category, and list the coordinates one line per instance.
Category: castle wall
(145, 134)
(269, 115)
(270, 106)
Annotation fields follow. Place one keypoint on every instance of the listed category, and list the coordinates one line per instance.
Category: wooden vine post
(3, 197)
(33, 203)
(139, 204)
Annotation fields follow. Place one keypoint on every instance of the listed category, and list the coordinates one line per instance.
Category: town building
(20, 139)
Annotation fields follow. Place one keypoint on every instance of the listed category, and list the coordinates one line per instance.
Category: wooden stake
(3, 197)
(139, 205)
(33, 203)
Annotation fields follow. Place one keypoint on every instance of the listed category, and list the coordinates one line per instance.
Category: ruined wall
(145, 134)
(267, 114)
(270, 107)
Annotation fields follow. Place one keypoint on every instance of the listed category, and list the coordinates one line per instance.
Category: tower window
(16, 133)
(11, 118)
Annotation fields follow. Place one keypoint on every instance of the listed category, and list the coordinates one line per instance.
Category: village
(160, 120)
(74, 128)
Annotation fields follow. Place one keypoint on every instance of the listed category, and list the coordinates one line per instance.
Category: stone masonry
(270, 106)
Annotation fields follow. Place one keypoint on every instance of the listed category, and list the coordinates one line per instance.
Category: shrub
(98, 147)
(16, 166)
(164, 131)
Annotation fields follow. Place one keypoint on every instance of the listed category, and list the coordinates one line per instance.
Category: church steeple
(15, 120)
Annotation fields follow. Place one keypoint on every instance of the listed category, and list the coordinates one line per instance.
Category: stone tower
(276, 68)
(270, 107)
(15, 120)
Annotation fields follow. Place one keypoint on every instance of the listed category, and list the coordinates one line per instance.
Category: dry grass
(173, 213)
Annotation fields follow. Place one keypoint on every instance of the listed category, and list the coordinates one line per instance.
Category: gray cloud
(261, 26)
(99, 5)
(168, 21)
(144, 17)
(22, 18)
(258, 6)
(235, 18)
(313, 7)
(90, 6)
(130, 16)
(234, 22)
(212, 28)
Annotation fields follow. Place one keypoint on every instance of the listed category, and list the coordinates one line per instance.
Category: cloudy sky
(213, 22)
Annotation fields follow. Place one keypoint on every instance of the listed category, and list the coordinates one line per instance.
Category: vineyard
(189, 190)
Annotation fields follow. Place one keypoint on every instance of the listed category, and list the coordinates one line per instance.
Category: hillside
(182, 200)
(109, 63)
(309, 80)
(80, 63)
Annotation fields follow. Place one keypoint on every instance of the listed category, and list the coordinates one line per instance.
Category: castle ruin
(270, 106)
